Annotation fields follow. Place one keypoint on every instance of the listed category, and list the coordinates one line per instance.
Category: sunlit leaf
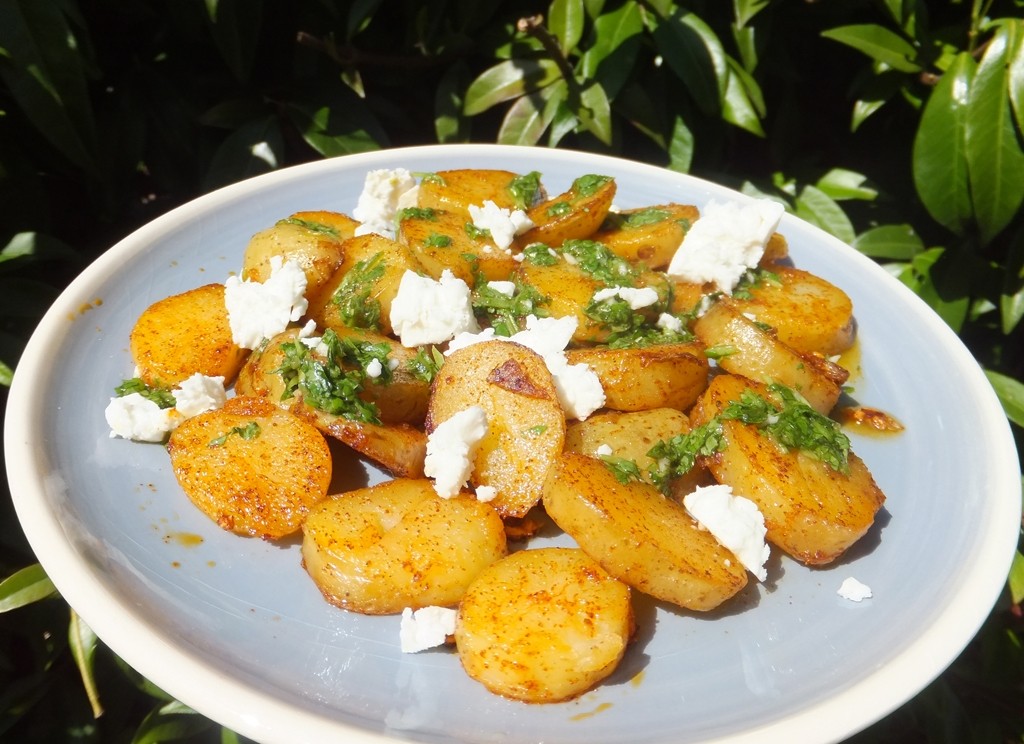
(745, 10)
(742, 103)
(529, 116)
(1016, 579)
(842, 183)
(6, 374)
(1015, 73)
(507, 80)
(565, 20)
(1010, 393)
(360, 13)
(1011, 298)
(891, 242)
(595, 113)
(692, 51)
(24, 587)
(336, 122)
(170, 722)
(918, 277)
(449, 123)
(879, 43)
(995, 160)
(746, 43)
(82, 642)
(257, 147)
(815, 206)
(939, 158)
(681, 147)
(563, 123)
(38, 247)
(611, 58)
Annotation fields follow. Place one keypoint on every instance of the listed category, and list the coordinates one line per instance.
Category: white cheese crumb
(636, 298)
(854, 590)
(604, 450)
(736, 523)
(503, 224)
(374, 368)
(257, 311)
(668, 322)
(450, 447)
(725, 241)
(425, 628)
(199, 394)
(431, 312)
(135, 417)
(486, 493)
(506, 288)
(385, 192)
(308, 330)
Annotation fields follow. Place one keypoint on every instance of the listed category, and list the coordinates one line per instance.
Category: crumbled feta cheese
(308, 330)
(636, 298)
(374, 368)
(135, 417)
(506, 288)
(503, 224)
(450, 447)
(385, 192)
(725, 241)
(199, 394)
(669, 322)
(486, 493)
(257, 311)
(604, 450)
(425, 628)
(854, 590)
(736, 523)
(431, 312)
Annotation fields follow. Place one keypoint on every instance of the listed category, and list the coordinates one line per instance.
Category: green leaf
(742, 104)
(873, 91)
(1016, 580)
(507, 80)
(565, 21)
(30, 584)
(879, 43)
(336, 122)
(449, 123)
(235, 26)
(611, 57)
(6, 374)
(894, 242)
(170, 722)
(745, 10)
(529, 116)
(1010, 393)
(918, 276)
(595, 113)
(840, 184)
(939, 159)
(257, 147)
(1011, 297)
(82, 642)
(815, 206)
(995, 161)
(693, 52)
(1015, 74)
(38, 246)
(681, 147)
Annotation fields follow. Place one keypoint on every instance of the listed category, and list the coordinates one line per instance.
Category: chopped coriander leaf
(434, 178)
(558, 209)
(536, 431)
(685, 223)
(589, 185)
(753, 279)
(677, 456)
(426, 364)
(437, 240)
(477, 233)
(355, 306)
(525, 189)
(159, 394)
(248, 432)
(720, 351)
(505, 314)
(316, 227)
(540, 254)
(644, 217)
(327, 384)
(597, 260)
(625, 471)
(630, 329)
(417, 213)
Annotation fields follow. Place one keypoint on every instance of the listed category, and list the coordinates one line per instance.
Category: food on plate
(543, 625)
(653, 385)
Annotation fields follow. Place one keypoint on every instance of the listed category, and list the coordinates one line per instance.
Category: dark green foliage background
(894, 124)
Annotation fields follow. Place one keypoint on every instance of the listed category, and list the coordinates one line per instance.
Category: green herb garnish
(720, 351)
(437, 240)
(536, 431)
(248, 432)
(589, 185)
(355, 306)
(625, 471)
(505, 314)
(159, 394)
(433, 178)
(754, 279)
(477, 233)
(597, 260)
(677, 456)
(426, 364)
(540, 254)
(417, 213)
(524, 189)
(317, 227)
(558, 209)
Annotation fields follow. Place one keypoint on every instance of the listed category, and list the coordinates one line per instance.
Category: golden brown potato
(808, 313)
(368, 278)
(440, 241)
(251, 467)
(183, 334)
(526, 424)
(381, 549)
(812, 512)
(575, 214)
(568, 291)
(312, 239)
(543, 625)
(639, 536)
(635, 379)
(457, 190)
(649, 235)
(751, 351)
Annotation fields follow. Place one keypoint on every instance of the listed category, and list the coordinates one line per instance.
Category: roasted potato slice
(574, 214)
(251, 467)
(747, 349)
(439, 240)
(639, 536)
(807, 312)
(543, 625)
(183, 334)
(649, 235)
(381, 549)
(361, 291)
(312, 239)
(568, 290)
(526, 424)
(812, 512)
(635, 379)
(457, 190)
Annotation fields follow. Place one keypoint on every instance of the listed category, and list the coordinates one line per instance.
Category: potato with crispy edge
(456, 190)
(183, 334)
(525, 422)
(380, 549)
(574, 214)
(749, 350)
(639, 536)
(812, 512)
(440, 241)
(635, 379)
(568, 290)
(649, 235)
(543, 625)
(251, 467)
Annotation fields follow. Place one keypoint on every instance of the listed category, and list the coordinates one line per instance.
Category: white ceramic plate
(234, 628)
